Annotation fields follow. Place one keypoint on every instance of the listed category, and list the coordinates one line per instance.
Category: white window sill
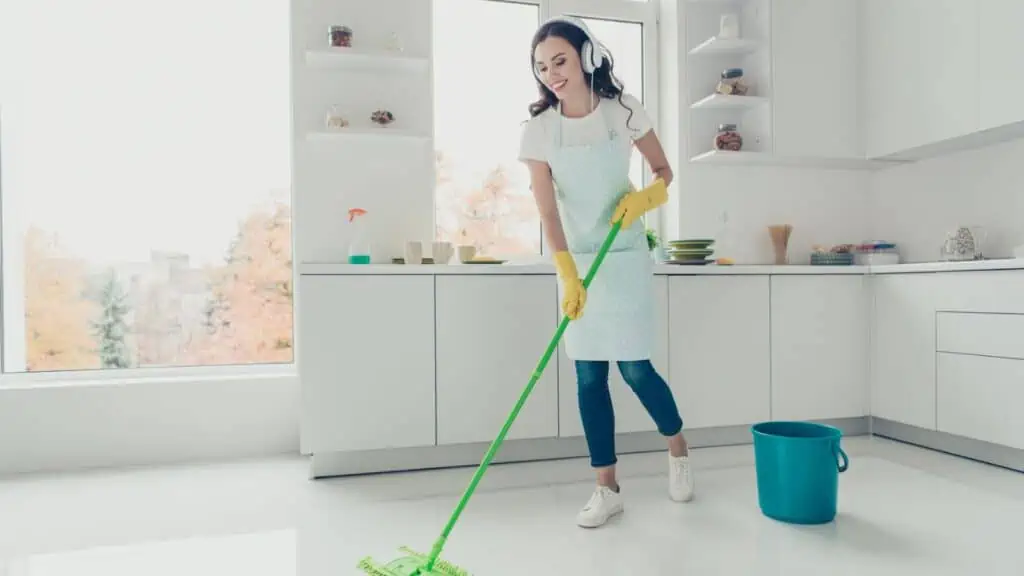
(87, 378)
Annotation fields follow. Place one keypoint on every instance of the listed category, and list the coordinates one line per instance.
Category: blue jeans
(596, 404)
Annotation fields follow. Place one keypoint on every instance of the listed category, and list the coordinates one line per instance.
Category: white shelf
(716, 45)
(720, 101)
(354, 133)
(352, 58)
(745, 158)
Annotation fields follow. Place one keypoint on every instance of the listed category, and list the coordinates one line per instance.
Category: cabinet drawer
(1000, 335)
(980, 398)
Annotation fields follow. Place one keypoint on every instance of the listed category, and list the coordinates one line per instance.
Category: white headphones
(592, 53)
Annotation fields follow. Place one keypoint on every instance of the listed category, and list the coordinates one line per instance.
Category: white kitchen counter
(739, 344)
(340, 268)
(967, 266)
(330, 268)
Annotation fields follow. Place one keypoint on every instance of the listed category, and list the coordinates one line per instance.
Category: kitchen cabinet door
(1002, 68)
(366, 361)
(719, 355)
(491, 332)
(819, 347)
(920, 72)
(980, 398)
(630, 415)
(815, 82)
(903, 343)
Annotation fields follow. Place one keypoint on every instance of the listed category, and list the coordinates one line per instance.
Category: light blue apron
(618, 318)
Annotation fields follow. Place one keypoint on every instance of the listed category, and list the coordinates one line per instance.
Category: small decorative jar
(728, 138)
(395, 43)
(340, 36)
(731, 82)
(336, 118)
(382, 117)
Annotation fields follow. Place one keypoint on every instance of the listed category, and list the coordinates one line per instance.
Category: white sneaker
(603, 504)
(680, 479)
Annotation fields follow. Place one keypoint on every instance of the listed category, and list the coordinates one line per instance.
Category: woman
(577, 145)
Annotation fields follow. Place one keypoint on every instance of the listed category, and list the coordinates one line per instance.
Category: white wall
(916, 205)
(736, 204)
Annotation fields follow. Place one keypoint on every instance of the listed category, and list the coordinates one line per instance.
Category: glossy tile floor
(903, 511)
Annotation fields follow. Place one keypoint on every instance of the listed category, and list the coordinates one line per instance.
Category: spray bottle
(359, 245)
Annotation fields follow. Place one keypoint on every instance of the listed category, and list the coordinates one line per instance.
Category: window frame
(644, 13)
(75, 378)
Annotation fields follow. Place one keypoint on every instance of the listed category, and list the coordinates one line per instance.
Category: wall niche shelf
(356, 59)
(360, 132)
(716, 45)
(728, 101)
(745, 158)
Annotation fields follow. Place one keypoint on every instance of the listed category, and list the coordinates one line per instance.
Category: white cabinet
(719, 359)
(815, 87)
(491, 332)
(903, 344)
(919, 72)
(366, 362)
(630, 415)
(819, 347)
(1002, 68)
(980, 398)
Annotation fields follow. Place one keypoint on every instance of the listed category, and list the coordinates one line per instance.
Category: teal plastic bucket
(798, 466)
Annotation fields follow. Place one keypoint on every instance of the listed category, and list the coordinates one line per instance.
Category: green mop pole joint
(493, 450)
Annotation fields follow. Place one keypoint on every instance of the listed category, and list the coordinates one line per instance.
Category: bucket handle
(842, 461)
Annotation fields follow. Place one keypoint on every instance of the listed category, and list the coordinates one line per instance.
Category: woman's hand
(635, 204)
(575, 295)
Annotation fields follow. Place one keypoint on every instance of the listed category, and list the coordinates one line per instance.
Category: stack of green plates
(695, 251)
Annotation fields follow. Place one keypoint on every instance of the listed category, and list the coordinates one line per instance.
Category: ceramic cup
(441, 252)
(413, 252)
(466, 253)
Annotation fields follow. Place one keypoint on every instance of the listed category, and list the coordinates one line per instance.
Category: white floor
(902, 511)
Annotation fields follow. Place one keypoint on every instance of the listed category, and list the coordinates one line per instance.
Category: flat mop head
(412, 564)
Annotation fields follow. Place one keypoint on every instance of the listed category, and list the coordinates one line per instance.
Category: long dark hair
(605, 84)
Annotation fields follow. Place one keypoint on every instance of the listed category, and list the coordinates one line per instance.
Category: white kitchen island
(412, 367)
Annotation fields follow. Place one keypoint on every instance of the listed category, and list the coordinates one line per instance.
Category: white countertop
(965, 266)
(341, 268)
(326, 268)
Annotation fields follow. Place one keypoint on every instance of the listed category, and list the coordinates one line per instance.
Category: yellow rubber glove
(635, 204)
(575, 295)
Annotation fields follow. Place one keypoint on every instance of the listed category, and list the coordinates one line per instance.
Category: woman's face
(558, 66)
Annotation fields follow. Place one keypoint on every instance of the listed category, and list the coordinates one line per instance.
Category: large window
(145, 164)
(482, 87)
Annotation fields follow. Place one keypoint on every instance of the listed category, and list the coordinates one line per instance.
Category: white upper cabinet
(814, 59)
(1002, 64)
(919, 68)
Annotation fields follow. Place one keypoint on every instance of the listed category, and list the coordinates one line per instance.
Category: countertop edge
(343, 269)
(339, 269)
(331, 269)
(964, 266)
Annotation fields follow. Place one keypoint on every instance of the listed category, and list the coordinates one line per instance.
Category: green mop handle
(436, 551)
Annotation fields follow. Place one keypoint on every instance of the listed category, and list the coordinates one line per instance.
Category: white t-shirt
(540, 130)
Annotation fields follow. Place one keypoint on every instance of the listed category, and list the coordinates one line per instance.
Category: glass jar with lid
(339, 36)
(728, 138)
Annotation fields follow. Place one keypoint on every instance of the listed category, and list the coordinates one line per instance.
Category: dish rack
(831, 258)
